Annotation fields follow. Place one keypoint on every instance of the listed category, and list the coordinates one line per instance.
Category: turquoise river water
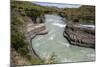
(55, 43)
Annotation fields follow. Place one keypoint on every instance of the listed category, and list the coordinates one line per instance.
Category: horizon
(59, 5)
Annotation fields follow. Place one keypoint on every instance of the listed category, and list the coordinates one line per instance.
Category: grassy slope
(19, 12)
(85, 13)
(18, 40)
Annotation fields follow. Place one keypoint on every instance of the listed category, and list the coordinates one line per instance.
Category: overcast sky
(59, 5)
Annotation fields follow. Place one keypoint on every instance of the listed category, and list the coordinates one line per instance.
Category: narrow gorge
(49, 34)
(55, 44)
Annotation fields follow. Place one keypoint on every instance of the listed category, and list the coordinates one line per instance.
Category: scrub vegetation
(19, 13)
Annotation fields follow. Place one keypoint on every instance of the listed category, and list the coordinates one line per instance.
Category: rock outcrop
(33, 30)
(80, 35)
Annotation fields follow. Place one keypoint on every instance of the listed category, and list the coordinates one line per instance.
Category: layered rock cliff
(80, 35)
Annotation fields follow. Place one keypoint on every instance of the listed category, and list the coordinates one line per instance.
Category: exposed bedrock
(33, 30)
(36, 29)
(80, 35)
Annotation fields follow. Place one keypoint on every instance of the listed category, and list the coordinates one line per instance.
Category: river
(54, 43)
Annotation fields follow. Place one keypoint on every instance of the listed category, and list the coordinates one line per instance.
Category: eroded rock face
(80, 35)
(36, 29)
(31, 31)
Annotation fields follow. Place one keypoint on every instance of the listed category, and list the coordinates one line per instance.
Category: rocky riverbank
(79, 35)
(33, 30)
(30, 30)
(27, 21)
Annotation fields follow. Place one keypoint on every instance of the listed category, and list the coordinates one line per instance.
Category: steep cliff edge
(80, 35)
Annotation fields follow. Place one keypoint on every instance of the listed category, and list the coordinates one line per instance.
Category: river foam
(59, 24)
